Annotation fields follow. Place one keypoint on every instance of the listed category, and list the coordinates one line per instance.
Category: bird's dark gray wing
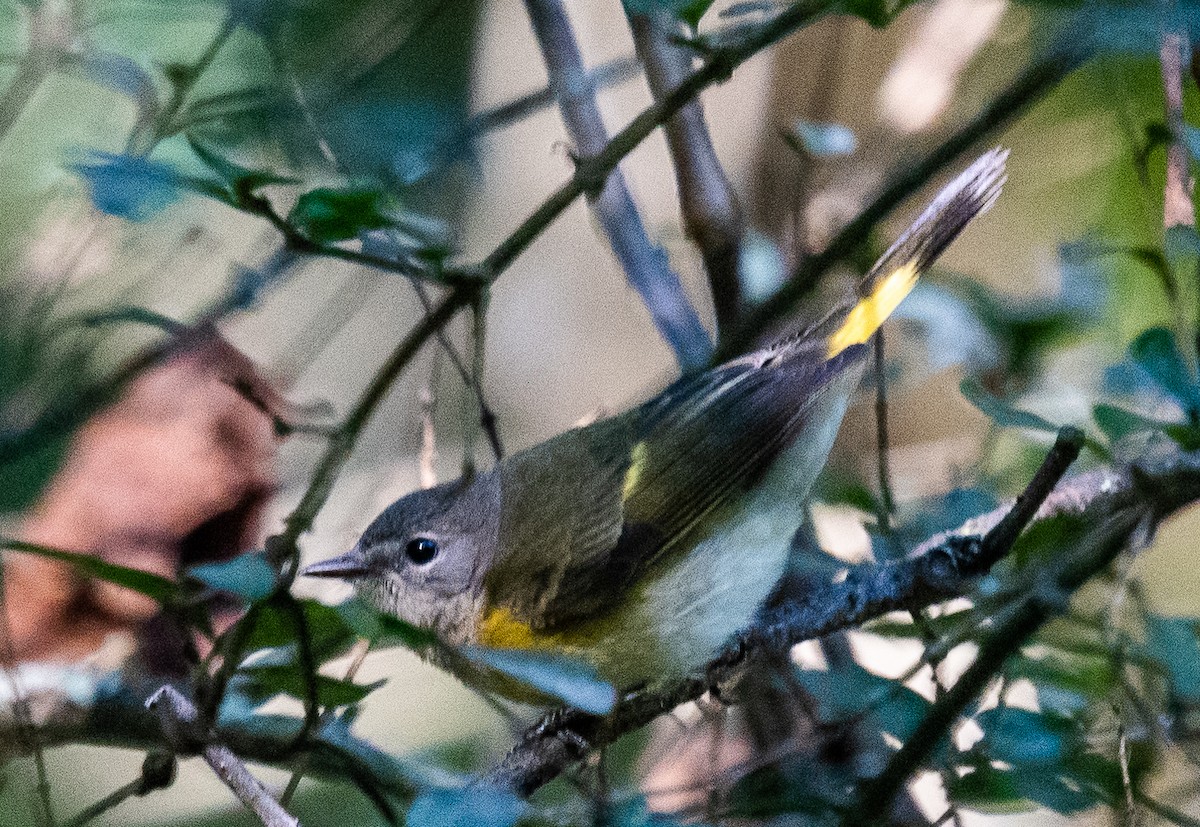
(599, 505)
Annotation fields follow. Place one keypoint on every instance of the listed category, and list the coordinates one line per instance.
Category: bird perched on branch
(642, 542)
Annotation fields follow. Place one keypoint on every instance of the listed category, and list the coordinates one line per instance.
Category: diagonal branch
(74, 706)
(181, 725)
(712, 216)
(944, 566)
(645, 264)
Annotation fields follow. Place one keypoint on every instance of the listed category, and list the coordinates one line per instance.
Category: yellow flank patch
(871, 311)
(500, 629)
(636, 461)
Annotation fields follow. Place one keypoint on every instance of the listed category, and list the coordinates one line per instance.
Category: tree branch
(49, 38)
(646, 265)
(69, 705)
(590, 173)
(944, 566)
(183, 729)
(712, 217)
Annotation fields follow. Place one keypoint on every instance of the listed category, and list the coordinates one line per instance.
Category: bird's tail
(897, 271)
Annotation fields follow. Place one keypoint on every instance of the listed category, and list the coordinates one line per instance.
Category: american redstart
(643, 542)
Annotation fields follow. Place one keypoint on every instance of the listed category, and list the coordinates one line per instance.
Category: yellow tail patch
(871, 311)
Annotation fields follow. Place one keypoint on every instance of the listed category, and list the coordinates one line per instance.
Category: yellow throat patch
(501, 629)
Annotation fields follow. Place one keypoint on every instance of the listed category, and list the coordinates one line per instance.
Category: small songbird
(643, 542)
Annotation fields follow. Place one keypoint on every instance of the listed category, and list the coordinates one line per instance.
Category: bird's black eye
(421, 550)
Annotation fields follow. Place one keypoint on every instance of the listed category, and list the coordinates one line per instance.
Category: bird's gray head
(425, 557)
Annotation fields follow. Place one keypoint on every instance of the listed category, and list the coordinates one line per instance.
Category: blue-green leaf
(1157, 353)
(847, 694)
(248, 576)
(128, 186)
(571, 681)
(478, 806)
(1173, 642)
(1021, 737)
(822, 140)
(1000, 411)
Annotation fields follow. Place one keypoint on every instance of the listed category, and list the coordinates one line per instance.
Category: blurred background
(408, 95)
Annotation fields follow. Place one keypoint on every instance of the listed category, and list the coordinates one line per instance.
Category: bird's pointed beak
(351, 564)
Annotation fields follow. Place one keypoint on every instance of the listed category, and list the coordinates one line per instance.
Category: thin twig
(158, 773)
(357, 655)
(1129, 816)
(343, 441)
(646, 265)
(49, 36)
(429, 400)
(283, 548)
(144, 137)
(712, 217)
(487, 417)
(591, 172)
(183, 728)
(887, 504)
(1103, 538)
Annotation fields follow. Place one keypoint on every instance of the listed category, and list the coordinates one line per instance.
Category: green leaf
(1066, 684)
(262, 682)
(1046, 539)
(238, 177)
(249, 576)
(383, 630)
(989, 789)
(327, 214)
(1156, 352)
(329, 632)
(1020, 737)
(816, 789)
(572, 681)
(475, 806)
(154, 586)
(1173, 642)
(1117, 423)
(986, 789)
(1000, 411)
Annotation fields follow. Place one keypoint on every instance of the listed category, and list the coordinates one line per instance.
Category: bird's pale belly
(678, 618)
